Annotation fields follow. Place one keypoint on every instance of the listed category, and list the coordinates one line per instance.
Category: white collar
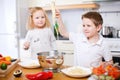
(99, 42)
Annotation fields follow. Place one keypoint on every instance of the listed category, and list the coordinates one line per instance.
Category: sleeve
(28, 36)
(52, 40)
(106, 53)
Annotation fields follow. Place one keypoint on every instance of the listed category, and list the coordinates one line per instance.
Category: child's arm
(62, 29)
(26, 44)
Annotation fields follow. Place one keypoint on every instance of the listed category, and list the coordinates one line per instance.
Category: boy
(89, 46)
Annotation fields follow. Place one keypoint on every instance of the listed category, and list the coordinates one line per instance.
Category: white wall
(110, 12)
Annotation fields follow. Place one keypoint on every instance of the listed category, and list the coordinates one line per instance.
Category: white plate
(77, 71)
(29, 64)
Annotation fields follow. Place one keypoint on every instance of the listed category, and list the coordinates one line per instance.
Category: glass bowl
(50, 61)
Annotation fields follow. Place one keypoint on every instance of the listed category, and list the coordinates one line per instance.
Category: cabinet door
(69, 59)
(67, 47)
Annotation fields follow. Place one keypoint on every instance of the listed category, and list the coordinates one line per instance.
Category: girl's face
(39, 19)
(89, 28)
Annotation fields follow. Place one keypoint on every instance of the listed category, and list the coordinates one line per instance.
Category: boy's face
(39, 19)
(89, 28)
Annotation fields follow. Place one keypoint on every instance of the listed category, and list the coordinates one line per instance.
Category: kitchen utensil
(51, 61)
(107, 31)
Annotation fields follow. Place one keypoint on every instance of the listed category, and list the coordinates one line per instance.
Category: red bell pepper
(40, 76)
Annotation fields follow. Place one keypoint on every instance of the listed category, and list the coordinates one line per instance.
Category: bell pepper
(40, 76)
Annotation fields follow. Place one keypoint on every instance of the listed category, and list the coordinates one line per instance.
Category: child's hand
(57, 13)
(26, 45)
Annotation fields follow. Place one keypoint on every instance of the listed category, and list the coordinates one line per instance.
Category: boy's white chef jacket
(85, 53)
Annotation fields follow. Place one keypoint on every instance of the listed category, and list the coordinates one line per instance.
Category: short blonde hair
(30, 24)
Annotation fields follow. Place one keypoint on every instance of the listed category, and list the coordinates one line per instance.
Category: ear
(99, 27)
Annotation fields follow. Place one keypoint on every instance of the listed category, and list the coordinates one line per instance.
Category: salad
(107, 71)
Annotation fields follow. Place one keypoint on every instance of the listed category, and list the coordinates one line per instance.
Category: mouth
(86, 32)
(40, 23)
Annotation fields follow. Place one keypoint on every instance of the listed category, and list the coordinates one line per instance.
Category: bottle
(56, 32)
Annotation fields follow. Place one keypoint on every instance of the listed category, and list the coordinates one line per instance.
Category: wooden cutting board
(3, 73)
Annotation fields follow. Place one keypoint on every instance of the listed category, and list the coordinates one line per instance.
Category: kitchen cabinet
(67, 4)
(66, 47)
(76, 6)
(69, 59)
(114, 45)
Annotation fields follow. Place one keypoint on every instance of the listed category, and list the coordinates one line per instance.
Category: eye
(43, 17)
(88, 25)
(83, 25)
(37, 18)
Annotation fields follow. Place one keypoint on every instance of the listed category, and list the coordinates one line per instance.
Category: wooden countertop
(56, 76)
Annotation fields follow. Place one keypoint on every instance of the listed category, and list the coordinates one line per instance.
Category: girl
(40, 37)
(89, 46)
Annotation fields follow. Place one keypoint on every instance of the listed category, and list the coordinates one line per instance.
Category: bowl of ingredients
(50, 61)
(106, 71)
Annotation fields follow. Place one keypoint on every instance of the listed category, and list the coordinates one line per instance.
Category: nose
(40, 19)
(84, 28)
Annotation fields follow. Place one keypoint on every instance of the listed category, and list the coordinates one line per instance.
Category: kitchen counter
(57, 76)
